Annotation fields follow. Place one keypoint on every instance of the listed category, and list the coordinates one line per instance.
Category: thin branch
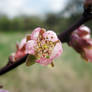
(64, 37)
(10, 67)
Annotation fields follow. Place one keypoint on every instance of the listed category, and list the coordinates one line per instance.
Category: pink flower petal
(83, 32)
(57, 51)
(50, 35)
(88, 54)
(22, 43)
(30, 47)
(44, 61)
(19, 54)
(35, 33)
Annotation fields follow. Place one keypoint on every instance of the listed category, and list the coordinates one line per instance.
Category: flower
(82, 42)
(45, 46)
(42, 46)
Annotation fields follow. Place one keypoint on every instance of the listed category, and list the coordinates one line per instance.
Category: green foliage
(19, 23)
(30, 60)
(5, 23)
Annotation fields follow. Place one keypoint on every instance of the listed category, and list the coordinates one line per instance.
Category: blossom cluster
(42, 47)
(81, 41)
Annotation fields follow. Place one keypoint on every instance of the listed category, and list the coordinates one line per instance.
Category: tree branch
(10, 67)
(64, 37)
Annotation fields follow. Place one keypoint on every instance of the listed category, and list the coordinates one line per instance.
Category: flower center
(44, 47)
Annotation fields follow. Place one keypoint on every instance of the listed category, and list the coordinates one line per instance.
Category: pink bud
(82, 43)
(83, 32)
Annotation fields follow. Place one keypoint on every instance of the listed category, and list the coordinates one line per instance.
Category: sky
(31, 7)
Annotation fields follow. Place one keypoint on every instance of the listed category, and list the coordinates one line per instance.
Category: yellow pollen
(45, 46)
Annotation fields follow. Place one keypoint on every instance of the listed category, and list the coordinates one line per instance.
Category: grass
(71, 73)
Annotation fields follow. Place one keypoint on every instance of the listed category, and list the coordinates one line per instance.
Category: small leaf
(30, 60)
(52, 64)
(47, 56)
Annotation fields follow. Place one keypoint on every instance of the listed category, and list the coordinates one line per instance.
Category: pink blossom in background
(44, 45)
(2, 90)
(82, 43)
(83, 32)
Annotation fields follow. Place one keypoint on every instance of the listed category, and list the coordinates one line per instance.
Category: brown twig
(1, 86)
(86, 16)
(9, 67)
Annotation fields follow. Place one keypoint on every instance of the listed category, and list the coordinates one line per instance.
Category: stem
(65, 36)
(10, 67)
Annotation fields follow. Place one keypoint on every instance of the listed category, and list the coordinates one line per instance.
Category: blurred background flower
(2, 90)
(82, 43)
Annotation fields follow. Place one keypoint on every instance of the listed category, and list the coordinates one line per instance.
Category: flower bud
(82, 43)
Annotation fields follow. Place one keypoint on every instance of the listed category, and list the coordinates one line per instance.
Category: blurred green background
(70, 74)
